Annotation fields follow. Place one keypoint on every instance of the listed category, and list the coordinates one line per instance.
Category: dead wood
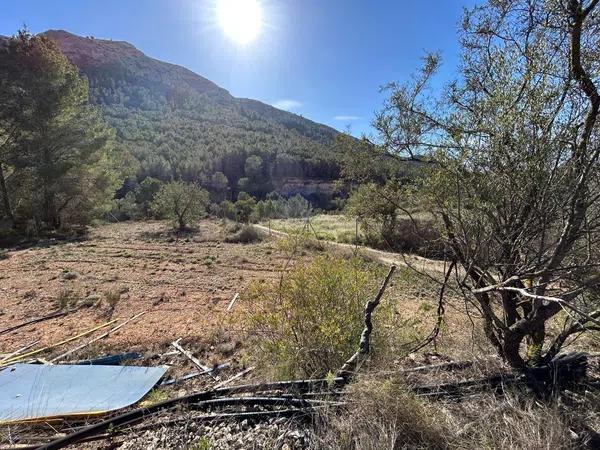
(192, 375)
(194, 360)
(353, 364)
(233, 378)
(32, 321)
(453, 365)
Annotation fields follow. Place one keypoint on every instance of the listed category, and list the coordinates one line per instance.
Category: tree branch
(352, 365)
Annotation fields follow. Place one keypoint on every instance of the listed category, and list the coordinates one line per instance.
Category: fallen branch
(32, 321)
(233, 378)
(96, 339)
(193, 375)
(445, 366)
(352, 365)
(193, 359)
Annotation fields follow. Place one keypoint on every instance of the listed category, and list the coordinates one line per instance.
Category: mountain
(175, 124)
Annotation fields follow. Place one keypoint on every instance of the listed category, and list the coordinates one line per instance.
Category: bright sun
(241, 19)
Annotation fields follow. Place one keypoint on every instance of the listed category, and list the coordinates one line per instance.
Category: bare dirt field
(185, 284)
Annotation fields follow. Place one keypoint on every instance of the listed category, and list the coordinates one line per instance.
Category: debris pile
(45, 396)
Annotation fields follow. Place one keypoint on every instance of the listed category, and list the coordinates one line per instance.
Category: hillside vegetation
(173, 124)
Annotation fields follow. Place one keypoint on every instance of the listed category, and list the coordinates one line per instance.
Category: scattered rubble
(275, 434)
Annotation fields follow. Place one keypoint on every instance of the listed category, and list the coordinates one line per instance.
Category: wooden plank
(192, 375)
(193, 359)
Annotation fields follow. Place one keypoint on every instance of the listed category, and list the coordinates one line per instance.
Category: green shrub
(348, 237)
(226, 210)
(244, 207)
(300, 239)
(310, 322)
(184, 203)
(125, 209)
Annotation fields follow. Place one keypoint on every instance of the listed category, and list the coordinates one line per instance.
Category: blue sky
(324, 59)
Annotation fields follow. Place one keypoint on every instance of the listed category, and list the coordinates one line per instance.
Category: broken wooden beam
(194, 360)
(193, 375)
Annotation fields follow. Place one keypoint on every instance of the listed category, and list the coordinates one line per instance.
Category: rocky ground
(276, 434)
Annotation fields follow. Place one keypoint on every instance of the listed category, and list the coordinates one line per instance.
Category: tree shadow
(13, 240)
(171, 235)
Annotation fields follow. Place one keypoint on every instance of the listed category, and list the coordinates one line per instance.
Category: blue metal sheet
(110, 360)
(34, 392)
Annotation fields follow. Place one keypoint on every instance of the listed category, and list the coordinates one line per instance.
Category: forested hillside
(175, 125)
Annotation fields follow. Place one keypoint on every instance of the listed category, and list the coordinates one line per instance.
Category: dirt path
(388, 258)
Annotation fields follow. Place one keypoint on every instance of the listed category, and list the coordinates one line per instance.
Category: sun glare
(240, 19)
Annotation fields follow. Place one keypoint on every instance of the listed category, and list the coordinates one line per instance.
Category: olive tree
(512, 177)
(183, 202)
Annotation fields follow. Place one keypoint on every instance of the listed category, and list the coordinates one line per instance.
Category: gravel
(279, 434)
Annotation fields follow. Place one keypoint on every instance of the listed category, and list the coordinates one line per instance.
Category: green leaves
(57, 149)
(183, 202)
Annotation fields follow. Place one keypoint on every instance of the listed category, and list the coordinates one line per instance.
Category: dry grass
(515, 422)
(65, 298)
(245, 235)
(382, 413)
(167, 275)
